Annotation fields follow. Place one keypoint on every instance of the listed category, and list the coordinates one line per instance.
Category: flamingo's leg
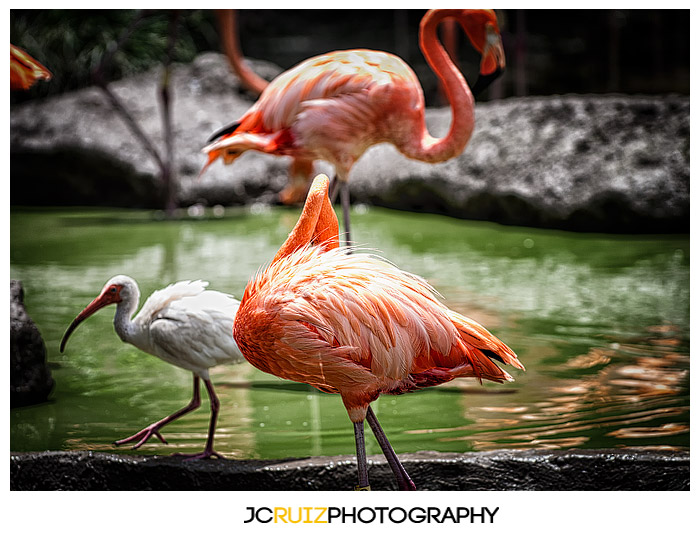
(345, 203)
(362, 474)
(342, 187)
(404, 481)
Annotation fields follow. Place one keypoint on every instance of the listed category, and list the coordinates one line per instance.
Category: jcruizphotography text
(370, 514)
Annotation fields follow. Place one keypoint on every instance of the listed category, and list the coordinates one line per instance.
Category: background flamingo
(183, 324)
(25, 70)
(335, 106)
(356, 325)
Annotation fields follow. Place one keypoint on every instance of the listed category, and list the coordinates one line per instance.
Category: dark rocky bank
(604, 163)
(30, 378)
(625, 469)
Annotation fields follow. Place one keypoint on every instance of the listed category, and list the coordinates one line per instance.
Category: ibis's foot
(204, 455)
(143, 436)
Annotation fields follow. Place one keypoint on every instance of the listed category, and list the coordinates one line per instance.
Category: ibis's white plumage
(189, 326)
(184, 324)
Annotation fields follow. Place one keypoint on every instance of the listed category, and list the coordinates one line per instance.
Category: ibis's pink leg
(208, 451)
(153, 429)
(362, 475)
(404, 481)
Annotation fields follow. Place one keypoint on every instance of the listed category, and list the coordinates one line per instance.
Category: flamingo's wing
(353, 302)
(330, 76)
(331, 101)
(389, 321)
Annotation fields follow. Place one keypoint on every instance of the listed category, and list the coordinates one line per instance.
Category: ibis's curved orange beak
(107, 297)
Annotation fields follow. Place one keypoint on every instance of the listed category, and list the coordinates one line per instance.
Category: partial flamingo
(228, 28)
(185, 325)
(25, 70)
(357, 326)
(335, 106)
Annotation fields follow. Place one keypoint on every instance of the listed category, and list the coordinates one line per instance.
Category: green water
(601, 322)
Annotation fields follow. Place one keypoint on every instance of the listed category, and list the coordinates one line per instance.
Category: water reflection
(600, 322)
(576, 412)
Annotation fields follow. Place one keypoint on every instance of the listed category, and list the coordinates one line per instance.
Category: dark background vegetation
(548, 51)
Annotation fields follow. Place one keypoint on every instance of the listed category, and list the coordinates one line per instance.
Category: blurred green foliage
(72, 42)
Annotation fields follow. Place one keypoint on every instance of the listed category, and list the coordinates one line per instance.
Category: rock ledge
(621, 469)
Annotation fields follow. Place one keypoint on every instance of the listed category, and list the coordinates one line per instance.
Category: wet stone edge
(608, 469)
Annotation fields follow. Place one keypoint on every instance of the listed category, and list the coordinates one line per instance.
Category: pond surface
(602, 323)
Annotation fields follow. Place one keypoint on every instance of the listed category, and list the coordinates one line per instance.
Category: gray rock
(590, 163)
(583, 162)
(30, 378)
(623, 469)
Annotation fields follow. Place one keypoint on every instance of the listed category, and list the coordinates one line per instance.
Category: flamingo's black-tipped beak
(493, 60)
(485, 80)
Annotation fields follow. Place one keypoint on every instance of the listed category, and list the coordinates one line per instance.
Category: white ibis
(183, 324)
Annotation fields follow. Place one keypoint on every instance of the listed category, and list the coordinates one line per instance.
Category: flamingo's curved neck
(228, 25)
(317, 224)
(427, 148)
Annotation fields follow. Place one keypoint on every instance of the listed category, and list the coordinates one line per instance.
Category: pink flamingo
(357, 326)
(335, 106)
(25, 70)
